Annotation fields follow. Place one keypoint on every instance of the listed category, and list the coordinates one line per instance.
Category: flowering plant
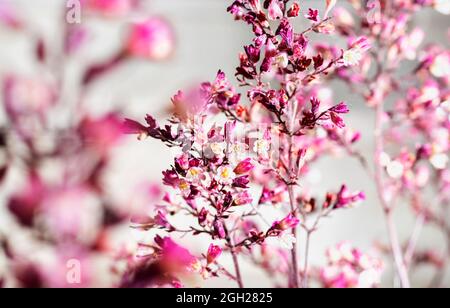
(242, 183)
(239, 156)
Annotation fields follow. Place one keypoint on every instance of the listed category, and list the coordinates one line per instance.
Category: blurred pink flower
(348, 267)
(110, 8)
(152, 39)
(8, 15)
(102, 133)
(214, 252)
(72, 214)
(26, 203)
(26, 96)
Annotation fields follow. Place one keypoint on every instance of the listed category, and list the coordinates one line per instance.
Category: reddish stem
(235, 261)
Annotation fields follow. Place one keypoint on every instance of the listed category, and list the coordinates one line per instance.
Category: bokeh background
(207, 39)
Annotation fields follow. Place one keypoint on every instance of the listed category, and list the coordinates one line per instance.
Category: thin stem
(292, 197)
(412, 245)
(306, 264)
(237, 268)
(388, 209)
(295, 282)
(235, 260)
(397, 252)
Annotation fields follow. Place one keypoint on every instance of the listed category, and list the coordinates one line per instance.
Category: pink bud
(244, 167)
(214, 252)
(294, 10)
(288, 223)
(219, 230)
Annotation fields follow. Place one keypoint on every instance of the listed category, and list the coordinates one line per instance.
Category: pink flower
(289, 222)
(345, 198)
(25, 204)
(8, 15)
(349, 267)
(110, 7)
(176, 259)
(243, 198)
(214, 253)
(294, 10)
(244, 167)
(152, 39)
(203, 217)
(72, 213)
(102, 133)
(356, 52)
(25, 97)
(313, 15)
(182, 161)
(337, 120)
(132, 127)
(219, 229)
(340, 108)
(275, 11)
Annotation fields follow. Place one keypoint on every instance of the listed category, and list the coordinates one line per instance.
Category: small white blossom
(225, 175)
(395, 169)
(217, 148)
(288, 240)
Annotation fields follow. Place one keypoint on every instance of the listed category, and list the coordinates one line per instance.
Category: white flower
(238, 150)
(217, 148)
(194, 174)
(385, 160)
(439, 161)
(441, 65)
(395, 169)
(288, 240)
(225, 175)
(282, 60)
(442, 6)
(261, 147)
(352, 57)
(369, 279)
(185, 188)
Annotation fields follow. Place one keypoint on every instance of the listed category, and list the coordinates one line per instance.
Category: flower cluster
(229, 143)
(348, 267)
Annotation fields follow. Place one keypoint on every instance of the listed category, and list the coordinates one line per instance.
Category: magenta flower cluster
(241, 152)
(229, 146)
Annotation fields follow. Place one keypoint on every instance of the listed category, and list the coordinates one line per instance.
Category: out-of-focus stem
(292, 197)
(388, 209)
(306, 264)
(235, 261)
(237, 269)
(295, 272)
(412, 245)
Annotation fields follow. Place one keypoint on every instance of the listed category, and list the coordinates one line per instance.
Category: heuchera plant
(240, 152)
(63, 206)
